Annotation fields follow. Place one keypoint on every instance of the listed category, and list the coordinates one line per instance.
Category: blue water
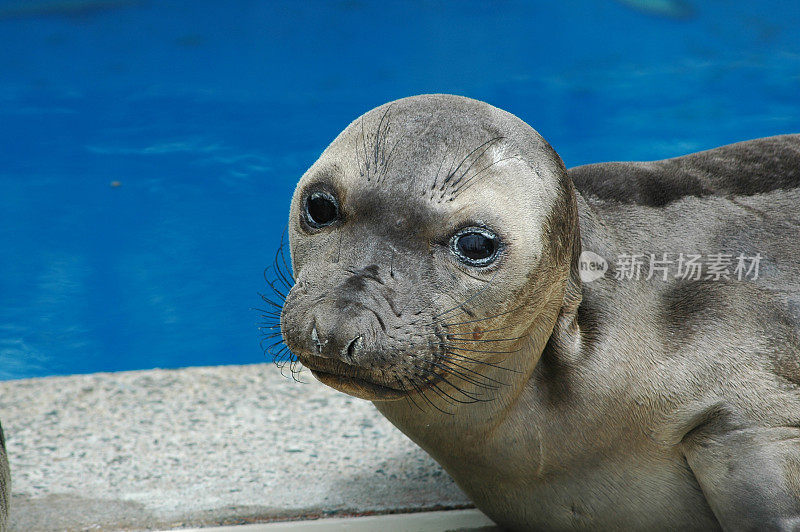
(205, 114)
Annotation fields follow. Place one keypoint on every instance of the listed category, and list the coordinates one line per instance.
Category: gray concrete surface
(204, 446)
(451, 520)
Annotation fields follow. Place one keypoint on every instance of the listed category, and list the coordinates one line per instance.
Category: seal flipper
(750, 476)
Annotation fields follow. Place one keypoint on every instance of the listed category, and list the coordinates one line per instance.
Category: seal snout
(343, 349)
(344, 342)
(354, 348)
(342, 333)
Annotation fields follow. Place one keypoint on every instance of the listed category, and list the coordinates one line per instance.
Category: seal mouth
(359, 387)
(348, 379)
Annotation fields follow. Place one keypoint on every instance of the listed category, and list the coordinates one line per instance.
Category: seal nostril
(315, 338)
(355, 346)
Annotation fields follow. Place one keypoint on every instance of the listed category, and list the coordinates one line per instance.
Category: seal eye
(475, 246)
(321, 209)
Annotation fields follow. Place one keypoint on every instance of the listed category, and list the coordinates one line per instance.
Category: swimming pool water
(148, 150)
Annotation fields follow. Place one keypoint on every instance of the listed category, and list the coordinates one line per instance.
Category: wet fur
(611, 405)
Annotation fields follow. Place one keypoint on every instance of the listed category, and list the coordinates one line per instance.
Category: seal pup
(436, 250)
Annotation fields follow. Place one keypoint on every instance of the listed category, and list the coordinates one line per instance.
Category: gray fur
(741, 169)
(617, 404)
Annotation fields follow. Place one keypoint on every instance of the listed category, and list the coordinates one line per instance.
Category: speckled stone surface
(204, 446)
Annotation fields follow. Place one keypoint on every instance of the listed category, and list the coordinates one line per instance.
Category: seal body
(436, 250)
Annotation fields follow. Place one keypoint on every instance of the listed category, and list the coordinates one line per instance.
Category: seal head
(413, 269)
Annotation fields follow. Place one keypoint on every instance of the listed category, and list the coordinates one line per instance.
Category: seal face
(403, 262)
(441, 271)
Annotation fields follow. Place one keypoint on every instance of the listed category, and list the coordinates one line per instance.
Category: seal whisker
(471, 179)
(473, 296)
(379, 146)
(452, 166)
(267, 313)
(387, 163)
(465, 376)
(287, 268)
(411, 403)
(439, 169)
(427, 399)
(481, 350)
(293, 369)
(268, 301)
(453, 362)
(455, 171)
(443, 379)
(282, 351)
(386, 160)
(464, 310)
(479, 319)
(271, 284)
(281, 363)
(459, 401)
(271, 316)
(267, 277)
(268, 317)
(378, 134)
(482, 331)
(408, 396)
(447, 398)
(276, 290)
(470, 333)
(273, 345)
(271, 326)
(488, 144)
(486, 340)
(442, 393)
(284, 274)
(283, 277)
(482, 362)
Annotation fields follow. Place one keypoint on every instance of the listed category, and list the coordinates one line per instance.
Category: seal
(5, 482)
(436, 249)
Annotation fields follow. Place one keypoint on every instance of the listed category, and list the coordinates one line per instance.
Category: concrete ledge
(452, 520)
(204, 446)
